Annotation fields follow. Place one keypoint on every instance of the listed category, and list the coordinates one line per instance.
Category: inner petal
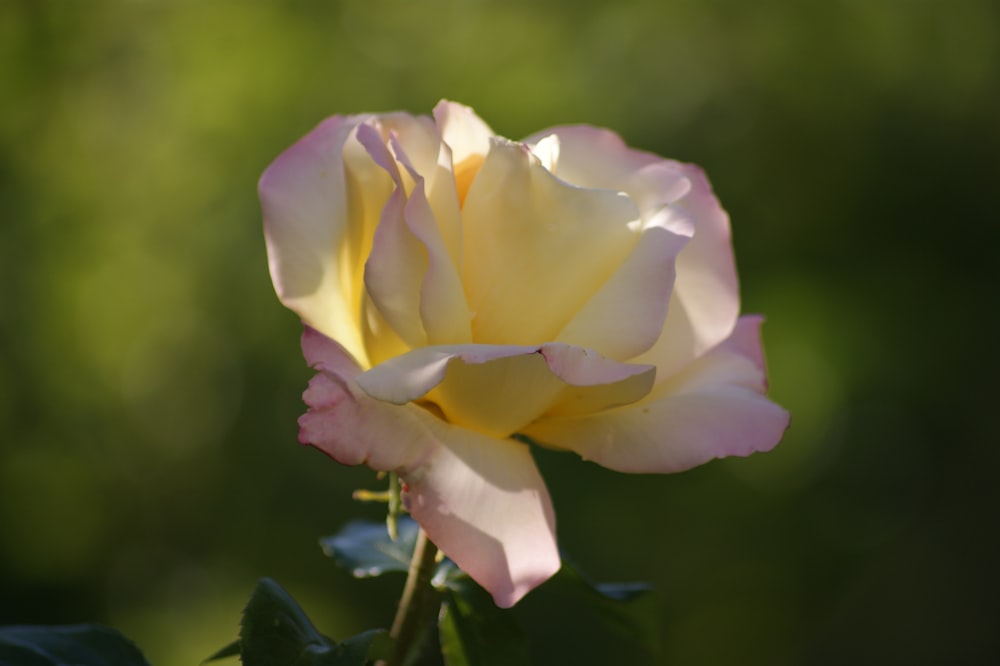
(542, 247)
(499, 390)
(498, 397)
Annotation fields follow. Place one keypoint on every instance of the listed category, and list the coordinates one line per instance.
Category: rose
(458, 289)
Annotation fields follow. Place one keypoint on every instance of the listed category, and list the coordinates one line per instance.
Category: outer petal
(705, 303)
(705, 300)
(480, 499)
(498, 390)
(542, 248)
(714, 408)
(304, 198)
(346, 424)
(483, 502)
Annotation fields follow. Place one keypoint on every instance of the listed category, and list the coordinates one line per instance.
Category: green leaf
(90, 644)
(627, 608)
(231, 650)
(474, 632)
(366, 550)
(275, 631)
(367, 646)
(624, 592)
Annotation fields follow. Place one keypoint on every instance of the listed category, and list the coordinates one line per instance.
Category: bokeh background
(150, 381)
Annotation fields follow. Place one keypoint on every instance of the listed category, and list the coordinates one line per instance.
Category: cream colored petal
(443, 310)
(593, 157)
(310, 228)
(442, 196)
(497, 390)
(381, 341)
(705, 302)
(542, 248)
(481, 500)
(625, 317)
(394, 271)
(465, 133)
(369, 189)
(410, 274)
(714, 408)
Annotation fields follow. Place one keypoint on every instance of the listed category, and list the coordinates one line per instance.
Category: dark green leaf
(623, 591)
(365, 548)
(474, 632)
(276, 632)
(231, 650)
(90, 644)
(370, 645)
(627, 608)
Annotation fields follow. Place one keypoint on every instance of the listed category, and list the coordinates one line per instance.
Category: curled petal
(394, 271)
(498, 389)
(713, 408)
(480, 499)
(410, 275)
(443, 310)
(598, 158)
(347, 425)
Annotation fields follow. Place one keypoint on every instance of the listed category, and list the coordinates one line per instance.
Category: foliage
(89, 644)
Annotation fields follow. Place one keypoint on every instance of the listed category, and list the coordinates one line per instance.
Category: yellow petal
(541, 247)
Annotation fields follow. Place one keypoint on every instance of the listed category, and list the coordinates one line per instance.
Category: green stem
(418, 603)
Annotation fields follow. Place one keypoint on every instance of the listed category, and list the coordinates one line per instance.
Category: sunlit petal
(625, 316)
(304, 195)
(541, 247)
(705, 302)
(497, 389)
(714, 408)
(483, 502)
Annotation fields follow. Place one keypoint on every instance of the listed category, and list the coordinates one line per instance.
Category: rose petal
(304, 197)
(498, 389)
(410, 274)
(481, 500)
(705, 302)
(598, 158)
(541, 247)
(346, 424)
(745, 341)
(394, 271)
(465, 133)
(714, 408)
(443, 310)
(441, 193)
(624, 318)
(327, 355)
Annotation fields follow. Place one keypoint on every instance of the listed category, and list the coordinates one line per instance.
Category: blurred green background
(150, 381)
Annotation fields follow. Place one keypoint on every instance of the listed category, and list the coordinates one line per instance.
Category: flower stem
(418, 602)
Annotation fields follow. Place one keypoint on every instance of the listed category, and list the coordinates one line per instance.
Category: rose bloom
(459, 289)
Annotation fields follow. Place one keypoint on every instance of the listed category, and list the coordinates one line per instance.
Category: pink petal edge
(480, 499)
